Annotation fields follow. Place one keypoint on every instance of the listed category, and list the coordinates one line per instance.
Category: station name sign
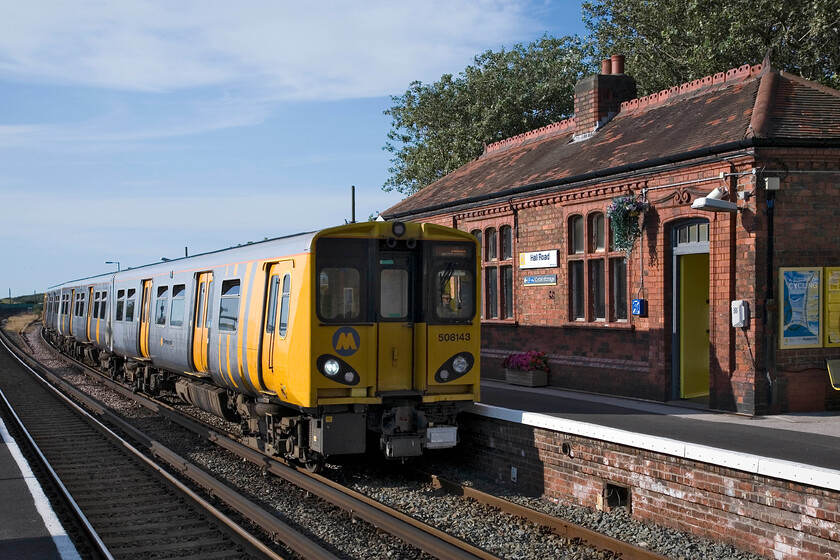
(538, 259)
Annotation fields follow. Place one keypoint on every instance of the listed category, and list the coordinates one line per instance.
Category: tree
(438, 127)
(669, 42)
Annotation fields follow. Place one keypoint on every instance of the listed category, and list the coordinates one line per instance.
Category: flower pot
(536, 378)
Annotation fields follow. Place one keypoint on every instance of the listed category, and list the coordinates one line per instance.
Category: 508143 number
(453, 337)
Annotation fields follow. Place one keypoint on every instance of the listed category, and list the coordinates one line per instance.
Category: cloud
(321, 50)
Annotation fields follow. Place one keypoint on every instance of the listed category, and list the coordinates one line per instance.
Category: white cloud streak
(282, 50)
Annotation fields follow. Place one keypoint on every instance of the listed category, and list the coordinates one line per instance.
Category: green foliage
(438, 127)
(669, 42)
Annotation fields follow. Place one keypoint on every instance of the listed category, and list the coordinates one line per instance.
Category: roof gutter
(630, 167)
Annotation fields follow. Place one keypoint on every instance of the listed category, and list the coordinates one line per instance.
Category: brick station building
(552, 281)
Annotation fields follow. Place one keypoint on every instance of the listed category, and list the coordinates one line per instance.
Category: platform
(29, 528)
(803, 448)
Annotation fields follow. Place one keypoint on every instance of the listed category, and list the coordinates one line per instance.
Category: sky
(136, 130)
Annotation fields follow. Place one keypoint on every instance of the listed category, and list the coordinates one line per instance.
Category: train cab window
(161, 304)
(340, 292)
(393, 293)
(129, 305)
(454, 283)
(341, 280)
(176, 314)
(229, 306)
(284, 304)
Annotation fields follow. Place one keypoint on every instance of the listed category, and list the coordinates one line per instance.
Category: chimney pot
(606, 67)
(617, 63)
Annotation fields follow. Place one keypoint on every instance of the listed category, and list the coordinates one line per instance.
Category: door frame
(679, 250)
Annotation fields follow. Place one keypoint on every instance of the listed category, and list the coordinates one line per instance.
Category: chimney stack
(599, 97)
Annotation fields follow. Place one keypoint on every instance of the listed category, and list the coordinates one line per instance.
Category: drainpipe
(770, 315)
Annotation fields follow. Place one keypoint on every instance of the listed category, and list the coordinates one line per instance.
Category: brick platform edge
(767, 516)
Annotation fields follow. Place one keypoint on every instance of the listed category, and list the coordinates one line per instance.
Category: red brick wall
(778, 519)
(748, 373)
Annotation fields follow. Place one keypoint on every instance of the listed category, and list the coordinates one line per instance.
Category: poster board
(800, 309)
(831, 306)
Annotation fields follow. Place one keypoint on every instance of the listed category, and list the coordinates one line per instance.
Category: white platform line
(62, 541)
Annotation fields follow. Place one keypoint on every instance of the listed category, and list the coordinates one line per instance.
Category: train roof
(289, 244)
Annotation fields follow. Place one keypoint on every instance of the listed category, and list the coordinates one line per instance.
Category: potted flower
(526, 368)
(624, 213)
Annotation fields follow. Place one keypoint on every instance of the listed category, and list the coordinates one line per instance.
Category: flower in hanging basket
(527, 361)
(624, 214)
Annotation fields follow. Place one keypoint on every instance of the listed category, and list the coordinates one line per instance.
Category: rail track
(131, 507)
(433, 541)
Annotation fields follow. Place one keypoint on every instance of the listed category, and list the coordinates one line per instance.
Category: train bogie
(313, 341)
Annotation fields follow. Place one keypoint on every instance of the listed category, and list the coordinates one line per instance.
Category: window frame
(497, 247)
(593, 265)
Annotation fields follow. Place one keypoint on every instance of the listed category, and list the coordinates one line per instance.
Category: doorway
(690, 334)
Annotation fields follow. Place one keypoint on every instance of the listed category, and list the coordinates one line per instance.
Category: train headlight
(336, 369)
(398, 229)
(332, 367)
(460, 365)
(456, 366)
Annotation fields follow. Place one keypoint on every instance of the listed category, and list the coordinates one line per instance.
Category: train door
(71, 312)
(274, 371)
(145, 318)
(89, 315)
(201, 322)
(396, 320)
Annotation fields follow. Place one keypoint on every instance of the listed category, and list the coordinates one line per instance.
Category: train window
(209, 314)
(199, 310)
(339, 291)
(454, 297)
(284, 304)
(161, 305)
(103, 304)
(96, 305)
(176, 314)
(393, 293)
(271, 314)
(120, 304)
(229, 306)
(129, 306)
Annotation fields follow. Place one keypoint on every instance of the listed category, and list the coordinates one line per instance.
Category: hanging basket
(624, 214)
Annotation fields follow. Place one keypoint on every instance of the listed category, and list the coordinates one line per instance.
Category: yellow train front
(381, 341)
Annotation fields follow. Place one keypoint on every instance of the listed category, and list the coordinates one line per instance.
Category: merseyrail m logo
(346, 341)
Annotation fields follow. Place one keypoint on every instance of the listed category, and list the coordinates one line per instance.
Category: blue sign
(346, 341)
(639, 307)
(543, 280)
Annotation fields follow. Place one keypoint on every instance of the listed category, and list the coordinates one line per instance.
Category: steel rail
(558, 526)
(54, 479)
(273, 526)
(412, 531)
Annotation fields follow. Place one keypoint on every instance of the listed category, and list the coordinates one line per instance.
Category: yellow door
(90, 317)
(71, 312)
(201, 320)
(145, 318)
(396, 322)
(274, 372)
(694, 325)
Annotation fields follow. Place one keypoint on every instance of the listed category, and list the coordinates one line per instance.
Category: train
(319, 344)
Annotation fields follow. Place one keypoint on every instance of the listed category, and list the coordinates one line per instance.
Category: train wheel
(314, 463)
